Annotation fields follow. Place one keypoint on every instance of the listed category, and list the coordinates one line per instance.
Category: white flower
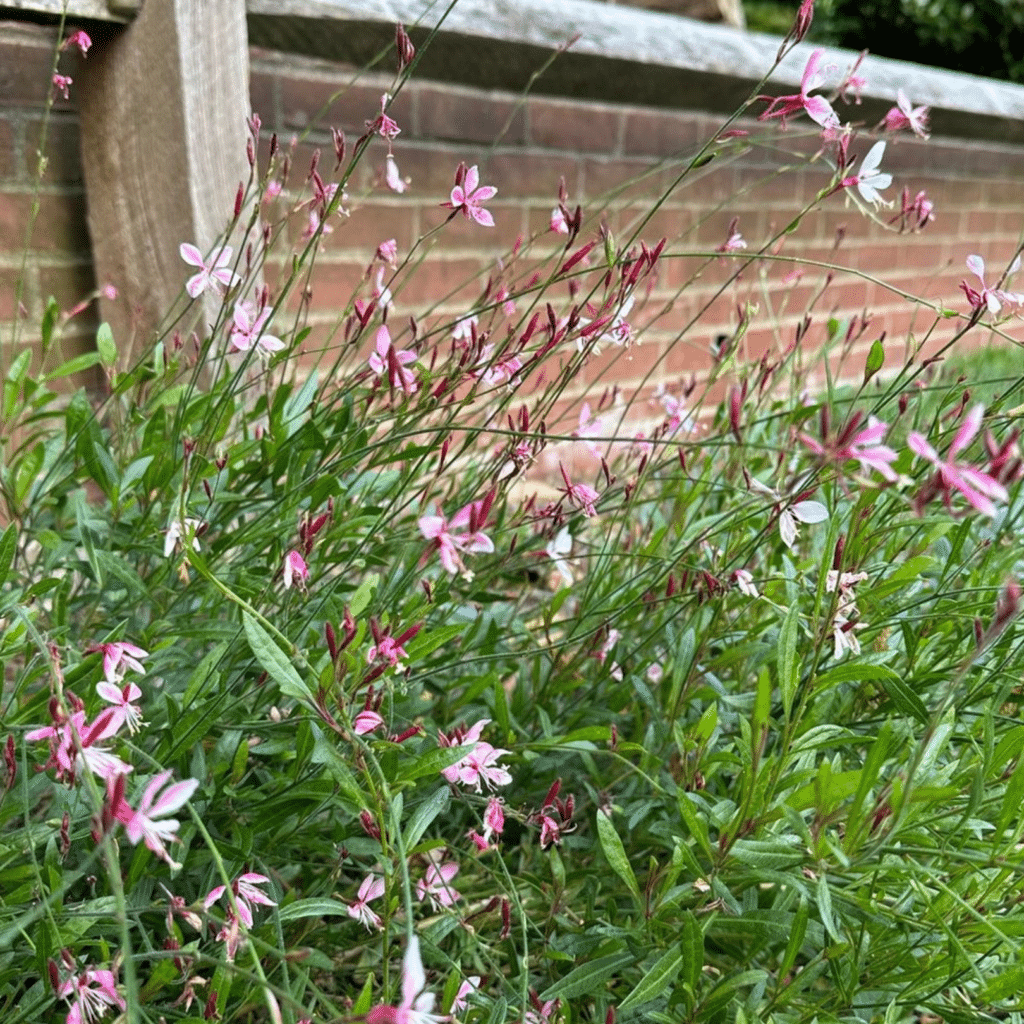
(870, 179)
(557, 550)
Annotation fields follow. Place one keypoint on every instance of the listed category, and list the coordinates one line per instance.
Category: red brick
(629, 180)
(431, 168)
(335, 283)
(526, 174)
(461, 233)
(60, 226)
(454, 282)
(263, 90)
(981, 222)
(9, 278)
(63, 151)
(330, 101)
(372, 223)
(663, 133)
(577, 127)
(10, 139)
(26, 59)
(463, 115)
(70, 284)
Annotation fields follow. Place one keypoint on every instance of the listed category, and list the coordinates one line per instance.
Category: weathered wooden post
(163, 103)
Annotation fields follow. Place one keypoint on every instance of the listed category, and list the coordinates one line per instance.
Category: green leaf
(313, 907)
(433, 762)
(273, 661)
(904, 698)
(424, 643)
(8, 544)
(691, 942)
(105, 345)
(50, 317)
(325, 753)
(75, 365)
(787, 659)
(658, 978)
(796, 938)
(425, 814)
(586, 978)
(824, 899)
(360, 600)
(875, 360)
(1005, 985)
(695, 824)
(616, 853)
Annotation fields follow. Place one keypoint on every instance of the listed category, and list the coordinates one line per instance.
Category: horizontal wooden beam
(77, 10)
(621, 55)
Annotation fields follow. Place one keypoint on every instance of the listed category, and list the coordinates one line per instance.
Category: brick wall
(523, 148)
(57, 260)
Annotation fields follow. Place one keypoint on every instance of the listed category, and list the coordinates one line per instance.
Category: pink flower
(372, 888)
(392, 177)
(542, 1012)
(366, 722)
(119, 657)
(580, 495)
(387, 252)
(558, 222)
(804, 17)
(469, 197)
(494, 373)
(394, 361)
(466, 989)
(435, 885)
(852, 82)
(861, 445)
(61, 83)
(295, 569)
(469, 522)
(416, 1004)
(246, 894)
(817, 107)
(494, 818)
(992, 298)
(589, 427)
(914, 214)
(247, 330)
(150, 823)
(80, 39)
(124, 710)
(211, 275)
(388, 649)
(313, 225)
(480, 765)
(382, 124)
(903, 115)
(92, 995)
(735, 242)
(73, 747)
(550, 831)
(980, 489)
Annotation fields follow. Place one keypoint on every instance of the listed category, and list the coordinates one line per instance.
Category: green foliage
(982, 37)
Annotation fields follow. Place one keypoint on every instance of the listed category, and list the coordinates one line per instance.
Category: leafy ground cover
(313, 711)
